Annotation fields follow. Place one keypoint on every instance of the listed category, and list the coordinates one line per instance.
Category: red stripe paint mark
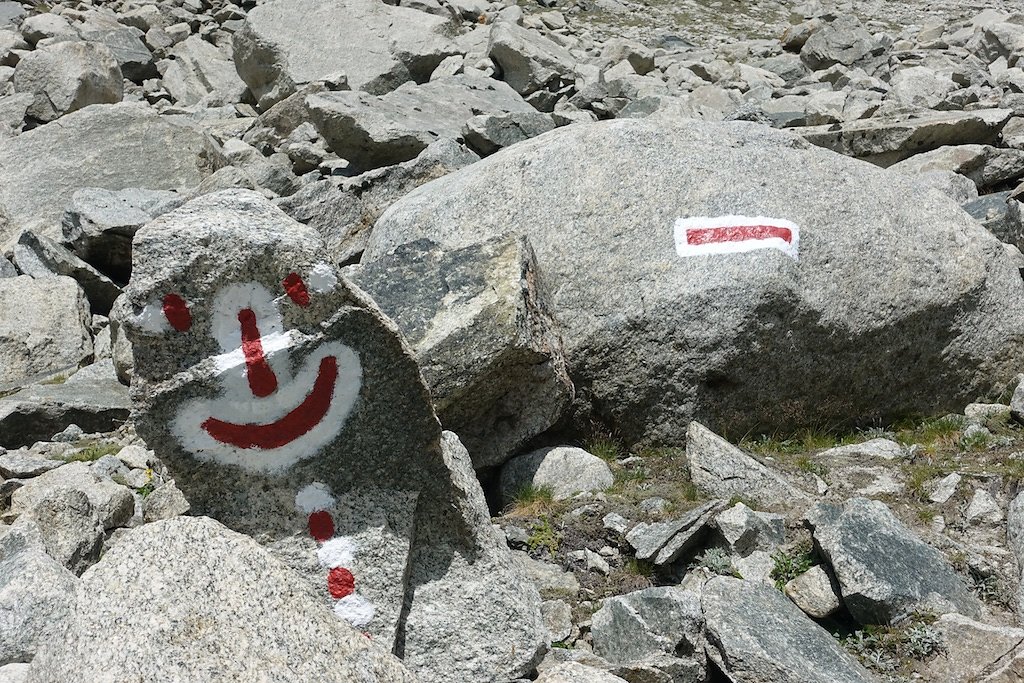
(262, 379)
(341, 583)
(177, 313)
(296, 289)
(321, 526)
(737, 233)
(303, 418)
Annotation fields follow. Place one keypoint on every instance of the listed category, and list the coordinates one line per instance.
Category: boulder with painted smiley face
(287, 406)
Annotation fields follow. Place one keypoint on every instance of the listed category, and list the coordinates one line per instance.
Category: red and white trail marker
(702, 235)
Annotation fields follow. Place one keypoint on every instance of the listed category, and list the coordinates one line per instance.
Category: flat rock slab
(288, 407)
(23, 464)
(372, 131)
(234, 627)
(756, 635)
(488, 348)
(885, 572)
(110, 146)
(887, 141)
(92, 398)
(757, 335)
(289, 43)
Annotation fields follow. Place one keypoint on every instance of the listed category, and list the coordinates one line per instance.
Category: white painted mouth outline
(190, 425)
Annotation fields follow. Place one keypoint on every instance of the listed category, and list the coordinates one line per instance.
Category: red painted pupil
(321, 526)
(296, 289)
(177, 313)
(341, 583)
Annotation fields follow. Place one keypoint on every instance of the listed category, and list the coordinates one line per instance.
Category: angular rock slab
(885, 572)
(286, 406)
(724, 470)
(289, 43)
(756, 635)
(44, 328)
(646, 623)
(36, 595)
(752, 339)
(112, 146)
(487, 346)
(665, 542)
(228, 611)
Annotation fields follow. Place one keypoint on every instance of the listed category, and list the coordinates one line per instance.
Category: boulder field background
(350, 340)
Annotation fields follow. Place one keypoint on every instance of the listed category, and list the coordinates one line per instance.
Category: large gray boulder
(285, 44)
(885, 572)
(91, 398)
(479, 323)
(67, 76)
(44, 328)
(756, 339)
(37, 594)
(649, 624)
(70, 529)
(756, 635)
(287, 406)
(227, 610)
(372, 131)
(842, 41)
(564, 470)
(528, 60)
(196, 68)
(104, 146)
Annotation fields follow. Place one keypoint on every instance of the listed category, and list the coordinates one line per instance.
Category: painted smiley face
(271, 412)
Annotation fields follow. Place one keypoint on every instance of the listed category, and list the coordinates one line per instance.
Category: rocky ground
(310, 234)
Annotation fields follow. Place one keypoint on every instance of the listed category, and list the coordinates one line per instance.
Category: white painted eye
(161, 316)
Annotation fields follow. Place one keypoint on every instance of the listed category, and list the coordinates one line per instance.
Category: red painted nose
(262, 380)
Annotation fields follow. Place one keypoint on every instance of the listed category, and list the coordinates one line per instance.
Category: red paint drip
(296, 289)
(341, 583)
(321, 526)
(177, 313)
(303, 418)
(737, 233)
(262, 379)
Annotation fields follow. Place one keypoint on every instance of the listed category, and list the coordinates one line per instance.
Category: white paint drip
(337, 552)
(684, 248)
(322, 278)
(355, 609)
(315, 497)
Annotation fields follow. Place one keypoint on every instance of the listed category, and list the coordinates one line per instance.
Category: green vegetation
(789, 565)
(716, 560)
(639, 567)
(92, 451)
(888, 649)
(533, 500)
(604, 447)
(56, 379)
(543, 536)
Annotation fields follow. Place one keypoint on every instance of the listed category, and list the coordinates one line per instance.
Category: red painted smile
(299, 421)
